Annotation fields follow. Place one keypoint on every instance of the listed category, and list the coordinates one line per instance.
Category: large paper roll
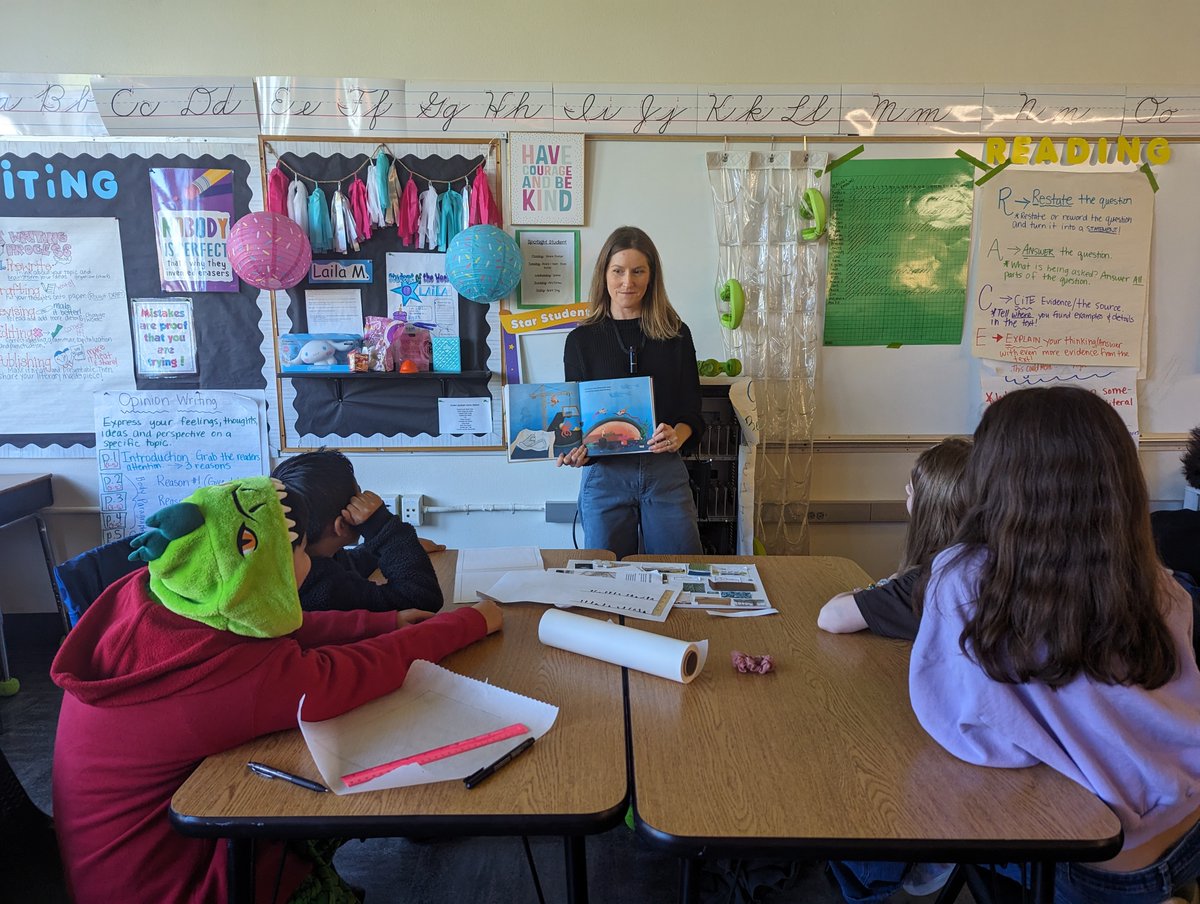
(666, 657)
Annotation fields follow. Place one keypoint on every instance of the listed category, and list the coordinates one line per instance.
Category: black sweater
(389, 544)
(597, 351)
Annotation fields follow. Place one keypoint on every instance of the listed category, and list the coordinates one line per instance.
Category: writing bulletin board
(114, 276)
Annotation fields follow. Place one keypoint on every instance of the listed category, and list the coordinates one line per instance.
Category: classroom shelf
(392, 375)
(712, 471)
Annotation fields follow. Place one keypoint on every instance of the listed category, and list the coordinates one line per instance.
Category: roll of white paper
(666, 657)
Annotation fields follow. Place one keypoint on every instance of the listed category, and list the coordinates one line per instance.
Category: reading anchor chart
(64, 322)
(155, 448)
(1062, 264)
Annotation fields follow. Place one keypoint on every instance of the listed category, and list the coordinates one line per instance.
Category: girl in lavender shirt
(1051, 633)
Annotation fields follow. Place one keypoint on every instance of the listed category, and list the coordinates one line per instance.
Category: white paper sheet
(435, 707)
(464, 415)
(651, 602)
(480, 568)
(666, 657)
(334, 310)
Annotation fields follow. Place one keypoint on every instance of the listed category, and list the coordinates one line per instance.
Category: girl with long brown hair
(632, 330)
(936, 500)
(1052, 634)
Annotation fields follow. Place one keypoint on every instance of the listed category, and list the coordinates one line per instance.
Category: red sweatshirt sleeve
(339, 627)
(339, 677)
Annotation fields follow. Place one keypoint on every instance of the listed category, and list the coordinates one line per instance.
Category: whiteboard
(662, 186)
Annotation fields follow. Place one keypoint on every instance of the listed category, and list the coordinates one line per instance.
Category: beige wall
(1048, 42)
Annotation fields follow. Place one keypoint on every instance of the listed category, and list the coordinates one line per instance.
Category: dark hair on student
(1191, 459)
(325, 479)
(659, 318)
(298, 512)
(939, 498)
(1070, 582)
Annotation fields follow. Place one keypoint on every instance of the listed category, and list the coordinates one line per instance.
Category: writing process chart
(1063, 261)
(155, 448)
(64, 322)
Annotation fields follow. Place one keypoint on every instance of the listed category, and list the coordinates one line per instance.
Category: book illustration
(618, 415)
(546, 420)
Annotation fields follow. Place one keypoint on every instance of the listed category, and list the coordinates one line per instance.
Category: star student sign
(546, 178)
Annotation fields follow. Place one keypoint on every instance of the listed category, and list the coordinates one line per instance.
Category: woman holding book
(632, 330)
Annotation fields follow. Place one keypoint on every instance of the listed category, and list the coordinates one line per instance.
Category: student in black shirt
(339, 514)
(936, 502)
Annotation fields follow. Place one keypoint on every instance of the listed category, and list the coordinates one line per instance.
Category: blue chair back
(81, 579)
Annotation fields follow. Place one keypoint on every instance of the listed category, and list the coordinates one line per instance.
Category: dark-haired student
(1177, 533)
(340, 512)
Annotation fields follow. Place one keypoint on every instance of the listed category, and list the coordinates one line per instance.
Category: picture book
(609, 417)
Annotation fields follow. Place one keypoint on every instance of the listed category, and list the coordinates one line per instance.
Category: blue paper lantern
(483, 263)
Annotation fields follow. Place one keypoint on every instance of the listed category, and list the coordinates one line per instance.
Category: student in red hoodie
(203, 650)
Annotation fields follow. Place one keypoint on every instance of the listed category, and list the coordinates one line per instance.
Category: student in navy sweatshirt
(339, 514)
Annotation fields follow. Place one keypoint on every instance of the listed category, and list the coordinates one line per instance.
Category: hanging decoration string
(370, 158)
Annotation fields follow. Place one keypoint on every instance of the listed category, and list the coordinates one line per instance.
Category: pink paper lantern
(269, 251)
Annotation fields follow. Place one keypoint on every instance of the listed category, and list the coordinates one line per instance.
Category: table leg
(689, 880)
(576, 851)
(49, 557)
(1043, 882)
(239, 869)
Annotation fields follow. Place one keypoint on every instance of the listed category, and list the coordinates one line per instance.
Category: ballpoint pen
(271, 772)
(480, 774)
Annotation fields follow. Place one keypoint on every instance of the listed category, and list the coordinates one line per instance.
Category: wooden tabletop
(824, 754)
(573, 780)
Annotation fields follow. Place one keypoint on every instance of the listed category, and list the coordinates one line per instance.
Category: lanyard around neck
(631, 350)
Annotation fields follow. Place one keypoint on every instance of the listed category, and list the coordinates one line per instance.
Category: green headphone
(731, 303)
(812, 207)
(711, 367)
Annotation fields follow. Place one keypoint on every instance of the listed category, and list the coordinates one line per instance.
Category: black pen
(271, 772)
(480, 774)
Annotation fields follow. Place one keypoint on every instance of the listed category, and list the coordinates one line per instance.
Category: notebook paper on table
(479, 569)
(434, 708)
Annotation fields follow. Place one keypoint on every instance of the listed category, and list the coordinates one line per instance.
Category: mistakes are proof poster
(64, 321)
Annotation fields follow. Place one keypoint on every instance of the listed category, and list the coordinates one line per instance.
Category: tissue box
(317, 352)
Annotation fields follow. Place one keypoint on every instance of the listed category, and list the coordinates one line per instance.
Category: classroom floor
(621, 869)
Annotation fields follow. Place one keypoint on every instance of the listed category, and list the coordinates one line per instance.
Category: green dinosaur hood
(223, 557)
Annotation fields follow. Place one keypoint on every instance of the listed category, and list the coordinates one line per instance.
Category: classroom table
(823, 757)
(24, 496)
(572, 782)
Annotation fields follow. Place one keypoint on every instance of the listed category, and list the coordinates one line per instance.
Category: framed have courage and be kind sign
(546, 178)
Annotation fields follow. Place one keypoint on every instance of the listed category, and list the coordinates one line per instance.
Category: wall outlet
(412, 509)
(560, 512)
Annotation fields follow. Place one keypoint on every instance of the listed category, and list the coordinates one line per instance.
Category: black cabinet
(713, 470)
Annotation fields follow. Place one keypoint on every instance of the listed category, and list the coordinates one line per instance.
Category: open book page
(618, 415)
(478, 569)
(542, 420)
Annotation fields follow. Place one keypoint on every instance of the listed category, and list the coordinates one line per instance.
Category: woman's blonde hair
(659, 319)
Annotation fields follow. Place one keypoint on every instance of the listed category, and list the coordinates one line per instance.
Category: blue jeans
(618, 493)
(1074, 883)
